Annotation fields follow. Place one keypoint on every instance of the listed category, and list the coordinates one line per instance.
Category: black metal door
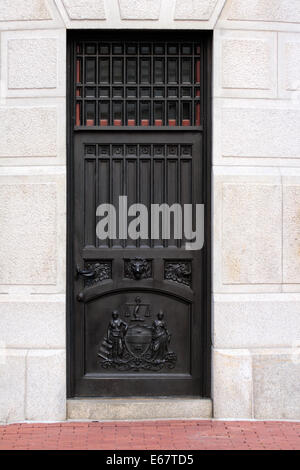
(139, 127)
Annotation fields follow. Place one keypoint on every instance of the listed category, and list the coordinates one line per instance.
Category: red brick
(151, 435)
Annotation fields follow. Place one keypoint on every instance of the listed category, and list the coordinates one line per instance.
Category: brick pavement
(152, 435)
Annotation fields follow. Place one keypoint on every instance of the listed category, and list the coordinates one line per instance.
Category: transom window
(138, 84)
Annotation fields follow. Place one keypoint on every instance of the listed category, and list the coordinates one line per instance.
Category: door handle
(86, 273)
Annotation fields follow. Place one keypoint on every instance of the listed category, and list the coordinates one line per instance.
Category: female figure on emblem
(116, 333)
(160, 338)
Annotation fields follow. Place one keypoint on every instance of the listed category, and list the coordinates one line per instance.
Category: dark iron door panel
(138, 308)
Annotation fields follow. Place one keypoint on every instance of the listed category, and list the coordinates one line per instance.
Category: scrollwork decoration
(178, 271)
(102, 269)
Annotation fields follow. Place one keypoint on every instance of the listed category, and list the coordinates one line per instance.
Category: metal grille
(137, 84)
(147, 173)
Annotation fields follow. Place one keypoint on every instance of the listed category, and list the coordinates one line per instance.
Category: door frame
(206, 96)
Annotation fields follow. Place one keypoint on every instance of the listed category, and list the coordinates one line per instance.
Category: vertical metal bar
(179, 83)
(125, 110)
(179, 242)
(193, 84)
(110, 85)
(111, 182)
(83, 78)
(138, 190)
(97, 189)
(151, 192)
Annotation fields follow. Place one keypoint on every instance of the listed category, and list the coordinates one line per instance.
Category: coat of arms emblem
(137, 343)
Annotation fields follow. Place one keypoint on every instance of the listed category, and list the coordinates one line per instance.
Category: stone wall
(33, 211)
(256, 193)
(256, 281)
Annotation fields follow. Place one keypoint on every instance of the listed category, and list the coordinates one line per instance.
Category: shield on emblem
(138, 339)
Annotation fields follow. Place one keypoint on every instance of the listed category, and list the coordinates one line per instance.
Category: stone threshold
(110, 409)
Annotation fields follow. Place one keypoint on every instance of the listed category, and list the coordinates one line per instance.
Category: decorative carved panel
(179, 271)
(138, 268)
(103, 271)
(139, 343)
